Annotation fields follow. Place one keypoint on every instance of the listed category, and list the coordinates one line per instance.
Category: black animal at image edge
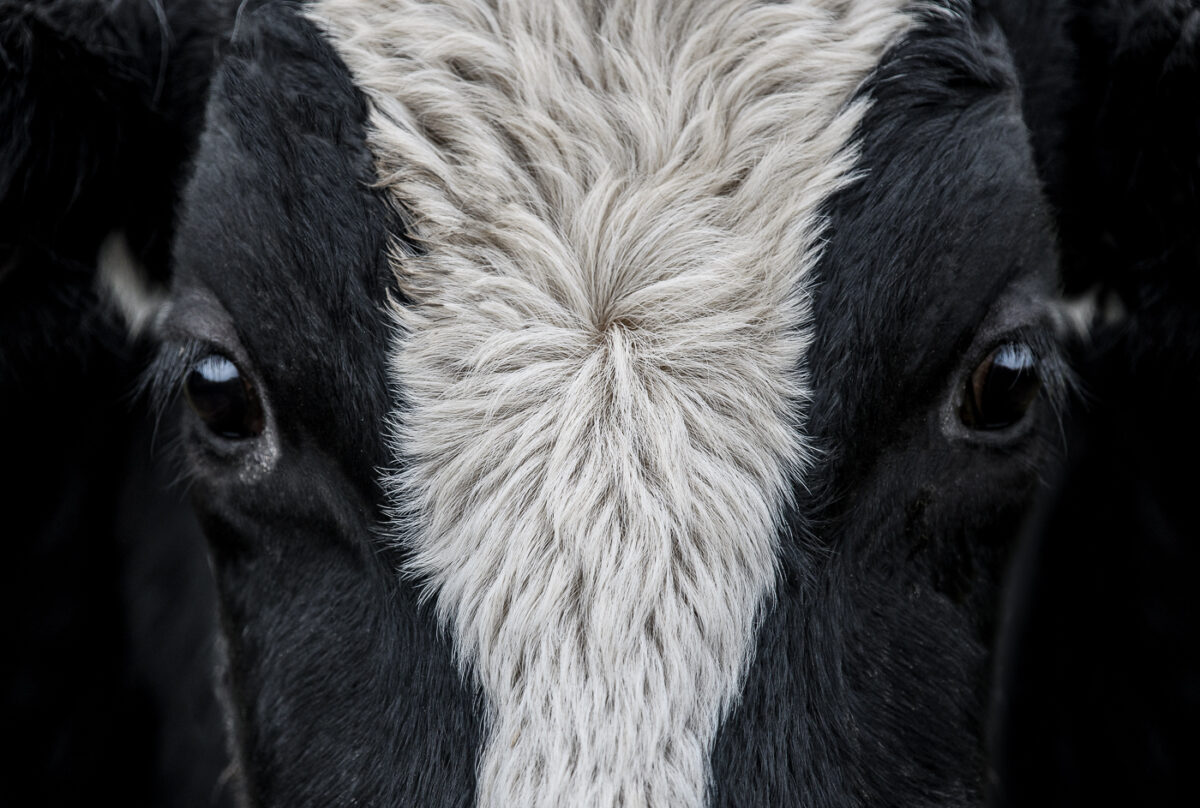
(1090, 690)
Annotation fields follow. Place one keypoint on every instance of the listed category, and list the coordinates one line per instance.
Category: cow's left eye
(1001, 389)
(223, 398)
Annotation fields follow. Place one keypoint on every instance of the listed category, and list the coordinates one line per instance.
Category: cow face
(614, 406)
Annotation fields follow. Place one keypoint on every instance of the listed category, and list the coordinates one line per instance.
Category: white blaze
(616, 205)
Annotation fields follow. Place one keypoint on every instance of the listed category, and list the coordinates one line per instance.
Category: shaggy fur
(614, 210)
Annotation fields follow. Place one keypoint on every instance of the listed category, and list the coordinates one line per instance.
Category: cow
(634, 402)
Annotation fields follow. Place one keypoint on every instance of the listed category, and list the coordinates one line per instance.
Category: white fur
(1077, 317)
(124, 283)
(616, 205)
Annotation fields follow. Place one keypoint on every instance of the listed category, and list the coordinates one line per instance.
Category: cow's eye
(223, 398)
(1001, 389)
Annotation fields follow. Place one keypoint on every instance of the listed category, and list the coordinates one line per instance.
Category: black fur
(1099, 673)
(106, 687)
(1098, 691)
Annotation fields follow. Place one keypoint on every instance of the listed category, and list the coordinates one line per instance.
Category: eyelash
(1059, 383)
(162, 381)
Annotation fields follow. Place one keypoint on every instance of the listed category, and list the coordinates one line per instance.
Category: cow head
(615, 404)
(684, 365)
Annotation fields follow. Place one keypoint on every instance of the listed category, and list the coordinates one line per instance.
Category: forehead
(939, 163)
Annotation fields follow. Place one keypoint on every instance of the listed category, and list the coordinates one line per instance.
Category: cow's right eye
(223, 398)
(1002, 388)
